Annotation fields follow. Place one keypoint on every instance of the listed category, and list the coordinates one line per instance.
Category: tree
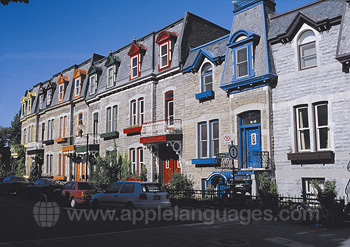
(18, 162)
(14, 132)
(180, 185)
(6, 2)
(35, 170)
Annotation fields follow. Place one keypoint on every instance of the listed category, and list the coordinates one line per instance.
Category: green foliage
(329, 190)
(143, 173)
(180, 185)
(18, 163)
(35, 171)
(111, 168)
(268, 185)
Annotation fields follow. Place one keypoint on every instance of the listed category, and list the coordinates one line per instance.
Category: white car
(132, 195)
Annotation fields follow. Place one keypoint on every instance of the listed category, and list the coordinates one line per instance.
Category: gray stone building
(310, 47)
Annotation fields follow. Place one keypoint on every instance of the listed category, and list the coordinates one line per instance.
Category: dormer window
(49, 92)
(243, 44)
(164, 55)
(79, 76)
(165, 40)
(136, 52)
(307, 50)
(29, 106)
(110, 81)
(62, 81)
(134, 67)
(41, 101)
(242, 62)
(94, 75)
(60, 92)
(207, 77)
(77, 87)
(92, 84)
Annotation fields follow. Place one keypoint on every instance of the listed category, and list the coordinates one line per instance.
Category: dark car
(43, 188)
(14, 184)
(76, 193)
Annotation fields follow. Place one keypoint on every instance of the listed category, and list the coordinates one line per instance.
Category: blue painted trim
(251, 72)
(205, 95)
(245, 172)
(209, 43)
(211, 137)
(251, 37)
(268, 65)
(247, 81)
(202, 78)
(205, 161)
(201, 53)
(249, 126)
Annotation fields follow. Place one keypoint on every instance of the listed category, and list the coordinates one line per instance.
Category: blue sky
(40, 39)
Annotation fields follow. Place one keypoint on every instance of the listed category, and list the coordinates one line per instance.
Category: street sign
(227, 139)
(233, 151)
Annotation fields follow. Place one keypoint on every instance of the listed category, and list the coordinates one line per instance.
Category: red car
(76, 193)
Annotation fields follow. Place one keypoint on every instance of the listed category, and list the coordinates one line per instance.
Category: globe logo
(46, 214)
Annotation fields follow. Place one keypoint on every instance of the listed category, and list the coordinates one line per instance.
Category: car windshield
(152, 188)
(86, 186)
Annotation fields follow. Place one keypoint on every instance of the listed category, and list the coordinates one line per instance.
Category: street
(18, 228)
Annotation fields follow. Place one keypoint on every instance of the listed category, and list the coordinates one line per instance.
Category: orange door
(77, 172)
(83, 172)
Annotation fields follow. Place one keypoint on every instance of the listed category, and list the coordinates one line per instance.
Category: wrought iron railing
(162, 127)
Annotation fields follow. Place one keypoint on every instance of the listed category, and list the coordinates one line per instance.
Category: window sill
(204, 96)
(133, 130)
(61, 140)
(49, 142)
(207, 162)
(110, 135)
(319, 157)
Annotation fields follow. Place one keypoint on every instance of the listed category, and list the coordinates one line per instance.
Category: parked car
(15, 184)
(43, 188)
(138, 195)
(76, 193)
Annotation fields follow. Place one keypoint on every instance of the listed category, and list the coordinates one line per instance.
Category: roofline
(275, 15)
(210, 43)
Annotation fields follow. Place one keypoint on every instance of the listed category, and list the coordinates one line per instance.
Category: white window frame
(167, 54)
(139, 160)
(318, 128)
(29, 105)
(239, 63)
(301, 48)
(133, 112)
(92, 83)
(301, 130)
(141, 110)
(132, 75)
(49, 92)
(133, 159)
(41, 101)
(114, 117)
(110, 78)
(77, 87)
(60, 92)
(203, 142)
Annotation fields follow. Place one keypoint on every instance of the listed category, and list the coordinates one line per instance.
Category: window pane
(208, 85)
(164, 49)
(203, 131)
(303, 118)
(204, 149)
(324, 138)
(215, 147)
(215, 130)
(114, 127)
(164, 60)
(242, 55)
(309, 62)
(134, 72)
(134, 62)
(308, 50)
(242, 69)
(305, 140)
(322, 115)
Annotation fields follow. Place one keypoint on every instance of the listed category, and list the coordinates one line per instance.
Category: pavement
(202, 234)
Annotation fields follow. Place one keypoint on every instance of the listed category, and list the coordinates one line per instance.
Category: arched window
(307, 50)
(207, 77)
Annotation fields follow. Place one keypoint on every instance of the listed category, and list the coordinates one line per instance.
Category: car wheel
(73, 202)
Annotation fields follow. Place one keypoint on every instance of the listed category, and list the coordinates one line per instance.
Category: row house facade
(274, 83)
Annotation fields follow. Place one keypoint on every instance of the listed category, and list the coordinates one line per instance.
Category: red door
(168, 168)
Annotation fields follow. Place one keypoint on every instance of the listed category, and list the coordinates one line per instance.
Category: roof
(316, 12)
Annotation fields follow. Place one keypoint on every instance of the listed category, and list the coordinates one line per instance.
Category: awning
(226, 175)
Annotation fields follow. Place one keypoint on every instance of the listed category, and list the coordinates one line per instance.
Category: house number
(253, 139)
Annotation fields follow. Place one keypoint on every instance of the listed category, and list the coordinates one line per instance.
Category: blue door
(253, 147)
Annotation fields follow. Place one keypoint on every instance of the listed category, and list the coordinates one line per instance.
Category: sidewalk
(201, 234)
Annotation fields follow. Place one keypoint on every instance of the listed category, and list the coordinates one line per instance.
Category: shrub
(180, 185)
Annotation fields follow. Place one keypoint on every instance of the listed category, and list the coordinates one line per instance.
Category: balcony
(161, 131)
(133, 130)
(86, 142)
(35, 148)
(110, 135)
